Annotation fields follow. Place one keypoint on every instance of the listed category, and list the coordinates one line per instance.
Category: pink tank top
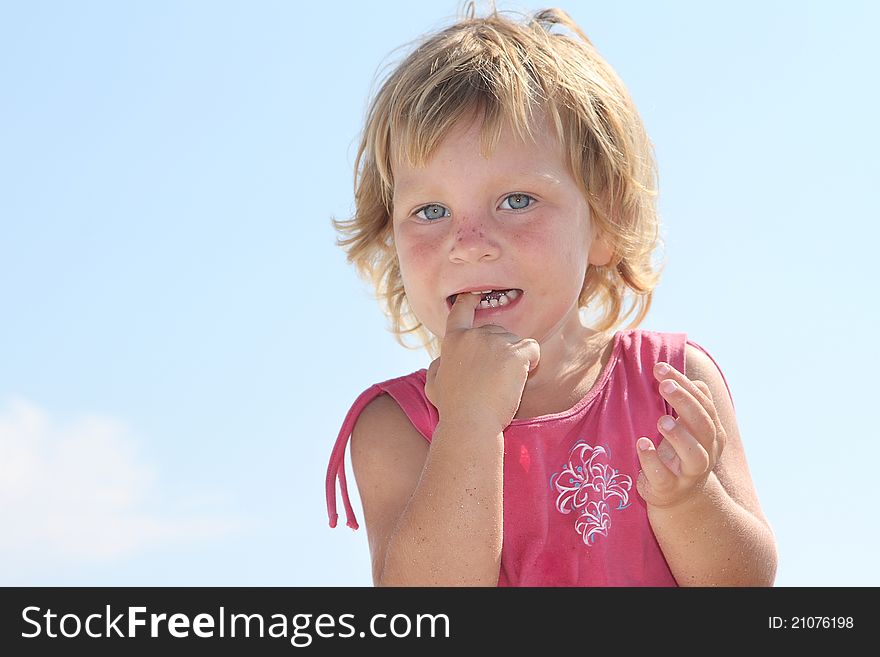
(572, 514)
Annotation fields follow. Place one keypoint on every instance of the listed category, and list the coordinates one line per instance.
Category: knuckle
(720, 442)
(703, 459)
(708, 429)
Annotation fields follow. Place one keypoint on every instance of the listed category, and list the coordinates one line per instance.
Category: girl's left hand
(678, 467)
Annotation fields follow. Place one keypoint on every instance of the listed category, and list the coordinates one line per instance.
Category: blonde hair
(507, 71)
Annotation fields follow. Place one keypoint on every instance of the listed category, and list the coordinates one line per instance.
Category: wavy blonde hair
(507, 71)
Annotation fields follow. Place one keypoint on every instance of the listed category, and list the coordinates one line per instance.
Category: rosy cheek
(422, 249)
(416, 257)
(533, 242)
(415, 254)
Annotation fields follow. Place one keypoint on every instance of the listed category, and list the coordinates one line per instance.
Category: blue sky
(181, 338)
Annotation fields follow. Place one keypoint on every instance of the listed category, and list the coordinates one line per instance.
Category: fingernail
(668, 387)
(663, 369)
(666, 423)
(644, 444)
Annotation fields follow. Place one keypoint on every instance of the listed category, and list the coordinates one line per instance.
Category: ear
(600, 252)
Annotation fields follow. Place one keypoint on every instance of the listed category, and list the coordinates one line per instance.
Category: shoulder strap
(409, 393)
(336, 468)
(645, 348)
(654, 346)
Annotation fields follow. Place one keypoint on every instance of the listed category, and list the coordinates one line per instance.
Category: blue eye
(432, 212)
(516, 202)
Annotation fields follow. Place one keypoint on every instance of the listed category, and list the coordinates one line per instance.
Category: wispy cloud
(80, 491)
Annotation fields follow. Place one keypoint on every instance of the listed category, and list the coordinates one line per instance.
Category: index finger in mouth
(461, 317)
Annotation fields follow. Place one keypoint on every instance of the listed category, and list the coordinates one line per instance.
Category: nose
(472, 241)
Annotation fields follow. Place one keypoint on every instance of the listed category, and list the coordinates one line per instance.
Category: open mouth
(493, 298)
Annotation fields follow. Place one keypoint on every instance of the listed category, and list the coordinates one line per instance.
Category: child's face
(515, 221)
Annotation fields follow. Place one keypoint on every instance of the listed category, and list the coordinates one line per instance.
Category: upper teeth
(502, 299)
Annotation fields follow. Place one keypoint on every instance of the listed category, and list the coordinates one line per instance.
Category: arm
(435, 516)
(702, 503)
(433, 513)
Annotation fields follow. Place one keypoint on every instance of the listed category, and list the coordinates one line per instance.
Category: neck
(571, 361)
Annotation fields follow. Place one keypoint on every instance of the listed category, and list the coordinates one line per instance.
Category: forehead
(535, 151)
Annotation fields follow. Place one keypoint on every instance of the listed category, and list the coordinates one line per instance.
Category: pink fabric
(572, 514)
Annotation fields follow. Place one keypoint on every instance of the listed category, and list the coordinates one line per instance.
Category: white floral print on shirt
(586, 485)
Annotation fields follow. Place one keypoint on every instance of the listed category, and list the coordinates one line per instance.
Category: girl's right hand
(478, 379)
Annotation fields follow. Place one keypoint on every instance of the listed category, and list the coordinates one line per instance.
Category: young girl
(504, 183)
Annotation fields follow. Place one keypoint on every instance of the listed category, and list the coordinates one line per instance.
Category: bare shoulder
(732, 468)
(387, 457)
(383, 436)
(699, 367)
